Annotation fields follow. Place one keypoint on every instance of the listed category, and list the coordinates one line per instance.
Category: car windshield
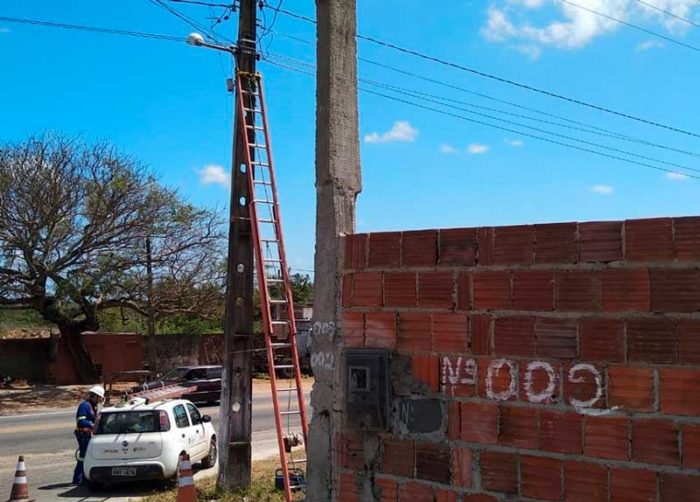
(175, 374)
(128, 422)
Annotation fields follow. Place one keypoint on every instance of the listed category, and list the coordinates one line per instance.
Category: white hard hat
(98, 390)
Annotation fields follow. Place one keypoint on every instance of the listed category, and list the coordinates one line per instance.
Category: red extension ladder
(273, 281)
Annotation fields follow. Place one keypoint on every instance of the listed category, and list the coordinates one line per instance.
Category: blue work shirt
(85, 417)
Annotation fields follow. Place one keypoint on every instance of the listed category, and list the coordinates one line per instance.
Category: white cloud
(650, 44)
(516, 143)
(676, 176)
(401, 131)
(214, 174)
(528, 25)
(447, 149)
(603, 189)
(477, 149)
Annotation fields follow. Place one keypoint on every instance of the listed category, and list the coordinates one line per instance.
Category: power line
(195, 2)
(669, 13)
(184, 18)
(491, 76)
(630, 25)
(434, 99)
(495, 126)
(95, 29)
(587, 128)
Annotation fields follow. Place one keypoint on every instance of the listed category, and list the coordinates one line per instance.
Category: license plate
(124, 471)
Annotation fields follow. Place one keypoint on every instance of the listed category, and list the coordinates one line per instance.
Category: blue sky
(167, 104)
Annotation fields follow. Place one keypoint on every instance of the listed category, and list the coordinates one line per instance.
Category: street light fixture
(197, 40)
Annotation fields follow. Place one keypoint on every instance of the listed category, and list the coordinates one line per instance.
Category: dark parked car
(206, 378)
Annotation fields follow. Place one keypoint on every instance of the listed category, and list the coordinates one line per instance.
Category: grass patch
(262, 488)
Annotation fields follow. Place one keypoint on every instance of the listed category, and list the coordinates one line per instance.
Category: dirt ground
(22, 397)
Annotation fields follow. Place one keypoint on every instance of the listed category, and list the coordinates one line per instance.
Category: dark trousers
(83, 440)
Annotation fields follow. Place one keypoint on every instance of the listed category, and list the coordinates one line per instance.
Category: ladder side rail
(285, 270)
(262, 285)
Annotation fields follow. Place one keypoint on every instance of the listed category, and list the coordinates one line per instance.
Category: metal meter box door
(366, 385)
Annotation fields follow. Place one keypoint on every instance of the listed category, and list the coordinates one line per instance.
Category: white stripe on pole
(186, 464)
(188, 481)
(20, 480)
(21, 466)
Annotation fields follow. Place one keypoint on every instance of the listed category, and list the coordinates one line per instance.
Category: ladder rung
(280, 323)
(251, 93)
(267, 221)
(269, 240)
(263, 201)
(258, 182)
(277, 301)
(257, 163)
(257, 128)
(281, 345)
(272, 260)
(284, 367)
(287, 390)
(274, 281)
(300, 461)
(297, 412)
(253, 110)
(257, 145)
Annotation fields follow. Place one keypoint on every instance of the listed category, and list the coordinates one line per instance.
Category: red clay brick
(514, 336)
(556, 338)
(458, 246)
(541, 478)
(691, 446)
(513, 245)
(585, 482)
(353, 328)
(674, 290)
(518, 427)
(479, 422)
(419, 248)
(433, 462)
(491, 290)
(581, 385)
(356, 251)
(385, 249)
(414, 332)
(416, 492)
(687, 238)
(347, 487)
(351, 451)
(400, 289)
(533, 290)
(679, 487)
(540, 383)
(387, 489)
(600, 241)
(602, 340)
(499, 472)
(578, 290)
(498, 379)
(462, 467)
(347, 291)
(453, 419)
(480, 340)
(464, 291)
(425, 369)
(485, 240)
(380, 330)
(478, 497)
(443, 495)
(450, 333)
(606, 437)
(689, 341)
(626, 290)
(651, 340)
(398, 457)
(632, 485)
(631, 388)
(655, 442)
(435, 289)
(556, 243)
(367, 289)
(649, 239)
(561, 432)
(678, 391)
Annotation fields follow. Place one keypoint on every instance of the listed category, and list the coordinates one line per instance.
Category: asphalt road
(46, 440)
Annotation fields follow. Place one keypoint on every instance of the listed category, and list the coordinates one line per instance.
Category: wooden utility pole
(236, 393)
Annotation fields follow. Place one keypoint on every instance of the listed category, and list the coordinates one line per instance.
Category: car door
(196, 377)
(202, 444)
(185, 429)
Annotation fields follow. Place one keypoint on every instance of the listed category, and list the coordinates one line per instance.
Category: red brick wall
(565, 359)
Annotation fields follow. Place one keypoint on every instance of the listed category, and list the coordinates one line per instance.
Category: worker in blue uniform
(85, 424)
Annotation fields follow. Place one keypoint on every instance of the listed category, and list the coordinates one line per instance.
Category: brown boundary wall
(540, 362)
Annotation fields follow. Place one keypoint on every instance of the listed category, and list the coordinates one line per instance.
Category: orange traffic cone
(20, 490)
(186, 492)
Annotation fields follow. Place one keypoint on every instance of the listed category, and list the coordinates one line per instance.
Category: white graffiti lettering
(546, 395)
(583, 367)
(323, 360)
(493, 370)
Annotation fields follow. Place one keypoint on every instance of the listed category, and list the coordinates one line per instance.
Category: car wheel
(210, 459)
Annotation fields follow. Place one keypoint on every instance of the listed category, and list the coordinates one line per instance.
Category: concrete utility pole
(236, 394)
(151, 327)
(338, 181)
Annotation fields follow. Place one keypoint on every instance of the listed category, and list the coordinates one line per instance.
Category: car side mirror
(205, 418)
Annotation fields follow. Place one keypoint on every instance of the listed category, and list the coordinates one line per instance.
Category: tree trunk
(87, 372)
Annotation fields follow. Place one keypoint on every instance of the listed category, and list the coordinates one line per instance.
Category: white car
(143, 441)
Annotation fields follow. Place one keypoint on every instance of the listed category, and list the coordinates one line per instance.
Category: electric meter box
(366, 385)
